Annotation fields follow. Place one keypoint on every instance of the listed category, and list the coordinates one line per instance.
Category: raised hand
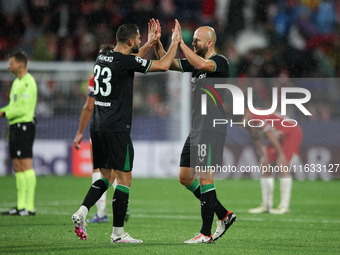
(176, 33)
(180, 30)
(152, 31)
(159, 30)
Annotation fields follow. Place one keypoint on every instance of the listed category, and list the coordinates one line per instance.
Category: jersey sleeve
(91, 87)
(136, 64)
(221, 64)
(185, 65)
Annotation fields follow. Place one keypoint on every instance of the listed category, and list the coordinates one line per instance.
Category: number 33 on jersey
(113, 90)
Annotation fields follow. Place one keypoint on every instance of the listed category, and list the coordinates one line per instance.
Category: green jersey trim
(147, 69)
(180, 65)
(213, 61)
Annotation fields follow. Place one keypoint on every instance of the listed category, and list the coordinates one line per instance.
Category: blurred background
(261, 39)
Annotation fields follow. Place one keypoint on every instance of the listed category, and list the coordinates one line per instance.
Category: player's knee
(206, 181)
(184, 181)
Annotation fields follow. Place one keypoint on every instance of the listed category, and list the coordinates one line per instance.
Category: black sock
(95, 192)
(220, 211)
(120, 203)
(197, 192)
(208, 201)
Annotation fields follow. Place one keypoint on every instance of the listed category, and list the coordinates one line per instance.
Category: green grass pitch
(164, 214)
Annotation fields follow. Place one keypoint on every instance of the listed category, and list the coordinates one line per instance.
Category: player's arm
(159, 49)
(84, 120)
(196, 61)
(255, 135)
(152, 30)
(25, 100)
(144, 49)
(259, 144)
(165, 62)
(281, 159)
(160, 52)
(264, 160)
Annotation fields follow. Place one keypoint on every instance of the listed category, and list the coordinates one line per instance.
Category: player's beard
(135, 48)
(201, 52)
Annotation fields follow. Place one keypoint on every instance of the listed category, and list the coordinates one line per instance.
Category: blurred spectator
(325, 16)
(61, 21)
(68, 50)
(263, 37)
(29, 37)
(235, 18)
(41, 49)
(208, 8)
(13, 7)
(88, 47)
(98, 15)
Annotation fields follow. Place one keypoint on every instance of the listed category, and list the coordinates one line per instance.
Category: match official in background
(283, 149)
(20, 114)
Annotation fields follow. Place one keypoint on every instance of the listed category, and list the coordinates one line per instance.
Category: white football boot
(124, 238)
(223, 225)
(79, 223)
(200, 238)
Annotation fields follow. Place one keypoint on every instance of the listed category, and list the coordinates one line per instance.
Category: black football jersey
(113, 90)
(203, 84)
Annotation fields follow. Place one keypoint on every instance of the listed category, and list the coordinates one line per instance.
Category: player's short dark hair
(20, 56)
(126, 32)
(106, 47)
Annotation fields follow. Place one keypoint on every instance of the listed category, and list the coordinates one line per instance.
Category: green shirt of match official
(22, 100)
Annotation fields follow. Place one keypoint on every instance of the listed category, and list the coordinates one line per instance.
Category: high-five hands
(176, 33)
(153, 31)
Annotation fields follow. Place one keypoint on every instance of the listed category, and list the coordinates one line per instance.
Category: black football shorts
(203, 149)
(21, 138)
(112, 150)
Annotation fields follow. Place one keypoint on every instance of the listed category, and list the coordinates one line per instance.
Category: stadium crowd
(261, 38)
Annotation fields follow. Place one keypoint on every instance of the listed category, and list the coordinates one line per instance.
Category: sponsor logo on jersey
(105, 104)
(201, 76)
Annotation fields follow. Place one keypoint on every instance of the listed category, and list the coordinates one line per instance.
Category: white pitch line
(46, 203)
(191, 217)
